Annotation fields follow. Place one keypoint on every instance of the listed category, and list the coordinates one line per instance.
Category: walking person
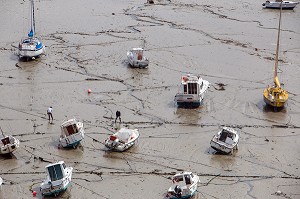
(118, 115)
(49, 113)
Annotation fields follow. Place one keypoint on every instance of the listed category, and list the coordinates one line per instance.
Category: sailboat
(31, 46)
(275, 95)
(8, 143)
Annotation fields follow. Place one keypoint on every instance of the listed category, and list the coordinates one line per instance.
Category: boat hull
(30, 51)
(271, 101)
(222, 148)
(276, 5)
(57, 191)
(72, 141)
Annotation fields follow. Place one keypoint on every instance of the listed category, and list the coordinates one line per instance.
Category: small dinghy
(72, 132)
(8, 144)
(184, 185)
(225, 141)
(136, 58)
(122, 140)
(192, 91)
(276, 4)
(58, 179)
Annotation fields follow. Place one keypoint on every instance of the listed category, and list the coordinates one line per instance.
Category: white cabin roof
(190, 79)
(137, 49)
(59, 162)
(69, 122)
(230, 130)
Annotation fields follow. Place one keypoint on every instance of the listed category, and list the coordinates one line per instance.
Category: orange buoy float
(34, 193)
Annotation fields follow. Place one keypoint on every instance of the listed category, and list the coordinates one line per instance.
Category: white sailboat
(8, 144)
(192, 91)
(31, 47)
(57, 180)
(72, 132)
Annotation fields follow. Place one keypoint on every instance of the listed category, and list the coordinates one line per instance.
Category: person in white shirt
(49, 113)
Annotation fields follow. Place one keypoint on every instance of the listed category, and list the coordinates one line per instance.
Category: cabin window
(192, 88)
(185, 88)
(64, 166)
(55, 172)
(187, 179)
(71, 129)
(178, 178)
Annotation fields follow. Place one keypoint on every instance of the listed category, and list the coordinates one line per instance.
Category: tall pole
(277, 46)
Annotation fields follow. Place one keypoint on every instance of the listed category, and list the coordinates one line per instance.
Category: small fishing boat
(275, 96)
(276, 4)
(72, 132)
(225, 141)
(31, 46)
(192, 91)
(57, 180)
(184, 185)
(8, 144)
(122, 139)
(136, 58)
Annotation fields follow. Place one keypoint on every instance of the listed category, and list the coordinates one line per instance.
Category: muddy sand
(231, 45)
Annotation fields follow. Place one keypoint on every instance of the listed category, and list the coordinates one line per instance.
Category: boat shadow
(7, 156)
(36, 192)
(267, 109)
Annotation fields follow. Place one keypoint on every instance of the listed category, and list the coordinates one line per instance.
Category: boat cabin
(56, 171)
(69, 129)
(183, 178)
(190, 84)
(227, 136)
(5, 140)
(137, 53)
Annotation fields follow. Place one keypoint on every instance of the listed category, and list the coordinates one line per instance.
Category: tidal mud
(231, 45)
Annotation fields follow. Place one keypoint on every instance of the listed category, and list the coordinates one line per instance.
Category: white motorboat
(8, 143)
(184, 185)
(225, 141)
(192, 91)
(31, 46)
(58, 179)
(136, 58)
(276, 4)
(72, 132)
(122, 139)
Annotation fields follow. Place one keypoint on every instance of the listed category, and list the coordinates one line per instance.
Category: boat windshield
(55, 172)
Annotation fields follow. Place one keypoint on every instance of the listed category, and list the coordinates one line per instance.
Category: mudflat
(231, 44)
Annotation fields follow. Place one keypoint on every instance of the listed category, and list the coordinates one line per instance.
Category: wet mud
(231, 45)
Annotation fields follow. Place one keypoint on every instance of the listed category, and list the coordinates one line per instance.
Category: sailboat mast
(32, 19)
(277, 46)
